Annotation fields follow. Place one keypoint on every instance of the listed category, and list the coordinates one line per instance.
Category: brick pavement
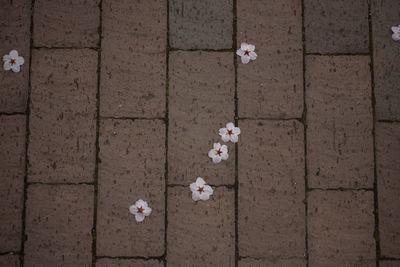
(121, 100)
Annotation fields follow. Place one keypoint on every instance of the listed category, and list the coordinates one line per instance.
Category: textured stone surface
(385, 14)
(339, 26)
(272, 262)
(339, 118)
(271, 189)
(59, 220)
(132, 155)
(133, 71)
(389, 263)
(201, 92)
(128, 263)
(201, 233)
(15, 20)
(203, 24)
(272, 85)
(63, 116)
(341, 228)
(12, 172)
(388, 170)
(62, 23)
(9, 261)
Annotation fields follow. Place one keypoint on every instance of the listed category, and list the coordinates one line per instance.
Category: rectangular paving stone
(132, 167)
(385, 14)
(9, 261)
(389, 263)
(133, 65)
(339, 122)
(128, 263)
(272, 85)
(201, 101)
(203, 24)
(12, 172)
(388, 170)
(271, 189)
(66, 23)
(341, 228)
(201, 233)
(272, 262)
(339, 26)
(15, 21)
(59, 221)
(63, 116)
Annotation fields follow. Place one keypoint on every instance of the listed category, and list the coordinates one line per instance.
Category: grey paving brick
(133, 71)
(271, 218)
(272, 85)
(132, 155)
(389, 263)
(341, 228)
(59, 221)
(339, 26)
(12, 172)
(272, 262)
(9, 261)
(201, 101)
(203, 24)
(128, 263)
(388, 170)
(63, 116)
(339, 122)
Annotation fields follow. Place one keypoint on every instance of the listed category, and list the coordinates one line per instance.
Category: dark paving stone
(66, 23)
(272, 262)
(389, 263)
(15, 21)
(385, 14)
(59, 220)
(339, 26)
(133, 71)
(271, 189)
(388, 170)
(272, 85)
(203, 24)
(341, 228)
(9, 261)
(63, 116)
(128, 263)
(201, 91)
(132, 155)
(201, 233)
(12, 172)
(339, 120)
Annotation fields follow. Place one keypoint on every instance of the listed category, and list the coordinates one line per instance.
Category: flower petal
(236, 130)
(234, 138)
(6, 57)
(211, 153)
(244, 46)
(205, 196)
(240, 52)
(7, 65)
(195, 196)
(245, 59)
(224, 156)
(139, 217)
(15, 68)
(200, 182)
(216, 159)
(251, 47)
(224, 149)
(193, 187)
(396, 37)
(395, 29)
(253, 55)
(20, 61)
(147, 211)
(222, 131)
(133, 209)
(217, 146)
(230, 126)
(225, 138)
(208, 189)
(14, 54)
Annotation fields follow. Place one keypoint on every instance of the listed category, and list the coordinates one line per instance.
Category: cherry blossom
(246, 52)
(200, 190)
(141, 209)
(230, 133)
(12, 61)
(218, 153)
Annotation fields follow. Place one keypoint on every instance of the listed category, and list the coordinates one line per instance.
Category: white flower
(218, 153)
(140, 210)
(200, 190)
(13, 61)
(396, 33)
(246, 52)
(230, 133)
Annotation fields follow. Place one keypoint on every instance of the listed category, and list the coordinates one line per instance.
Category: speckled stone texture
(59, 221)
(385, 14)
(128, 263)
(272, 85)
(205, 24)
(73, 23)
(271, 189)
(341, 228)
(63, 116)
(272, 262)
(133, 65)
(389, 263)
(132, 166)
(15, 21)
(339, 122)
(339, 26)
(12, 172)
(9, 261)
(388, 170)
(201, 233)
(201, 101)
